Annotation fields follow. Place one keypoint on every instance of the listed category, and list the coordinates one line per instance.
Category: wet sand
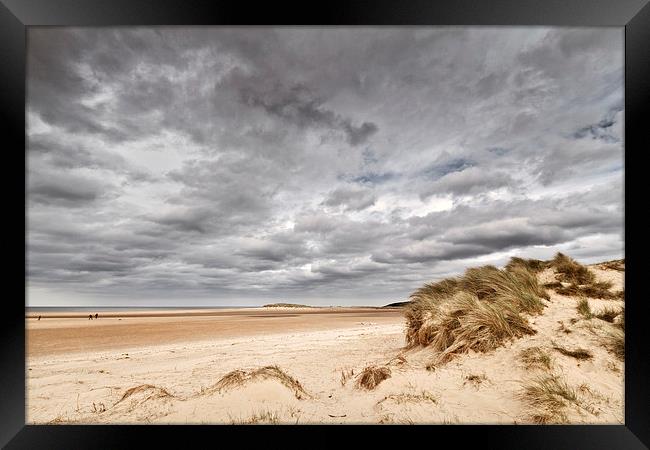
(72, 332)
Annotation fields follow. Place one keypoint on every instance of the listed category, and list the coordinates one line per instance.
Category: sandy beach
(169, 368)
(72, 332)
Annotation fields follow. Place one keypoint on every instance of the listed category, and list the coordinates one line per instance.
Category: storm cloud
(232, 166)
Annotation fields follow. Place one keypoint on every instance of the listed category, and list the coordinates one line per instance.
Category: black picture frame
(17, 15)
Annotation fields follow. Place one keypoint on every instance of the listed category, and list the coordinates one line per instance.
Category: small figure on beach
(90, 317)
(39, 317)
(96, 316)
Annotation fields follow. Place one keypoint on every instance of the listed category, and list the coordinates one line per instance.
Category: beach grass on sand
(533, 342)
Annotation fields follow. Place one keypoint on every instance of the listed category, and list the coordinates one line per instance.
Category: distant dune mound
(396, 305)
(287, 305)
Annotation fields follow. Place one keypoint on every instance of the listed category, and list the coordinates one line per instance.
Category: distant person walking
(39, 317)
(96, 316)
(90, 317)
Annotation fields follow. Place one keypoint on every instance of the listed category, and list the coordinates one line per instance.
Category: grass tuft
(466, 323)
(574, 279)
(346, 375)
(410, 398)
(518, 285)
(477, 311)
(238, 378)
(563, 328)
(535, 358)
(571, 271)
(584, 309)
(608, 314)
(262, 417)
(547, 396)
(423, 301)
(230, 380)
(398, 360)
(615, 343)
(150, 389)
(600, 289)
(475, 380)
(578, 353)
(617, 264)
(371, 376)
(621, 322)
(534, 265)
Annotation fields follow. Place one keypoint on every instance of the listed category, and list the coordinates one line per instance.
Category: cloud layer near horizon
(332, 166)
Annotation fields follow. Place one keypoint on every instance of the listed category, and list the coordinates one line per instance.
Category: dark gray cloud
(473, 180)
(351, 198)
(349, 165)
(299, 106)
(602, 130)
(69, 190)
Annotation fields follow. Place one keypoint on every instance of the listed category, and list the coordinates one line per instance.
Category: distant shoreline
(84, 312)
(127, 308)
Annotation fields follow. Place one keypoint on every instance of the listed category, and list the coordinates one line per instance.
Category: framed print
(389, 214)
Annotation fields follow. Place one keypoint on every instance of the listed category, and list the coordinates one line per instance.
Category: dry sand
(164, 368)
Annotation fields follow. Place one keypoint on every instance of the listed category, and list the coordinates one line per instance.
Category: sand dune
(298, 366)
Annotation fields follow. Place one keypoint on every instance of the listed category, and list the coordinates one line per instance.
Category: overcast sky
(240, 166)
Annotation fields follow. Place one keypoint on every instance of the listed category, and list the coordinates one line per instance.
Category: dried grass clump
(571, 271)
(621, 322)
(535, 358)
(238, 378)
(534, 265)
(600, 289)
(615, 343)
(547, 396)
(398, 361)
(230, 380)
(608, 314)
(371, 376)
(518, 285)
(466, 323)
(409, 398)
(263, 417)
(346, 375)
(578, 353)
(616, 264)
(574, 279)
(563, 327)
(149, 390)
(59, 419)
(584, 309)
(475, 380)
(423, 301)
